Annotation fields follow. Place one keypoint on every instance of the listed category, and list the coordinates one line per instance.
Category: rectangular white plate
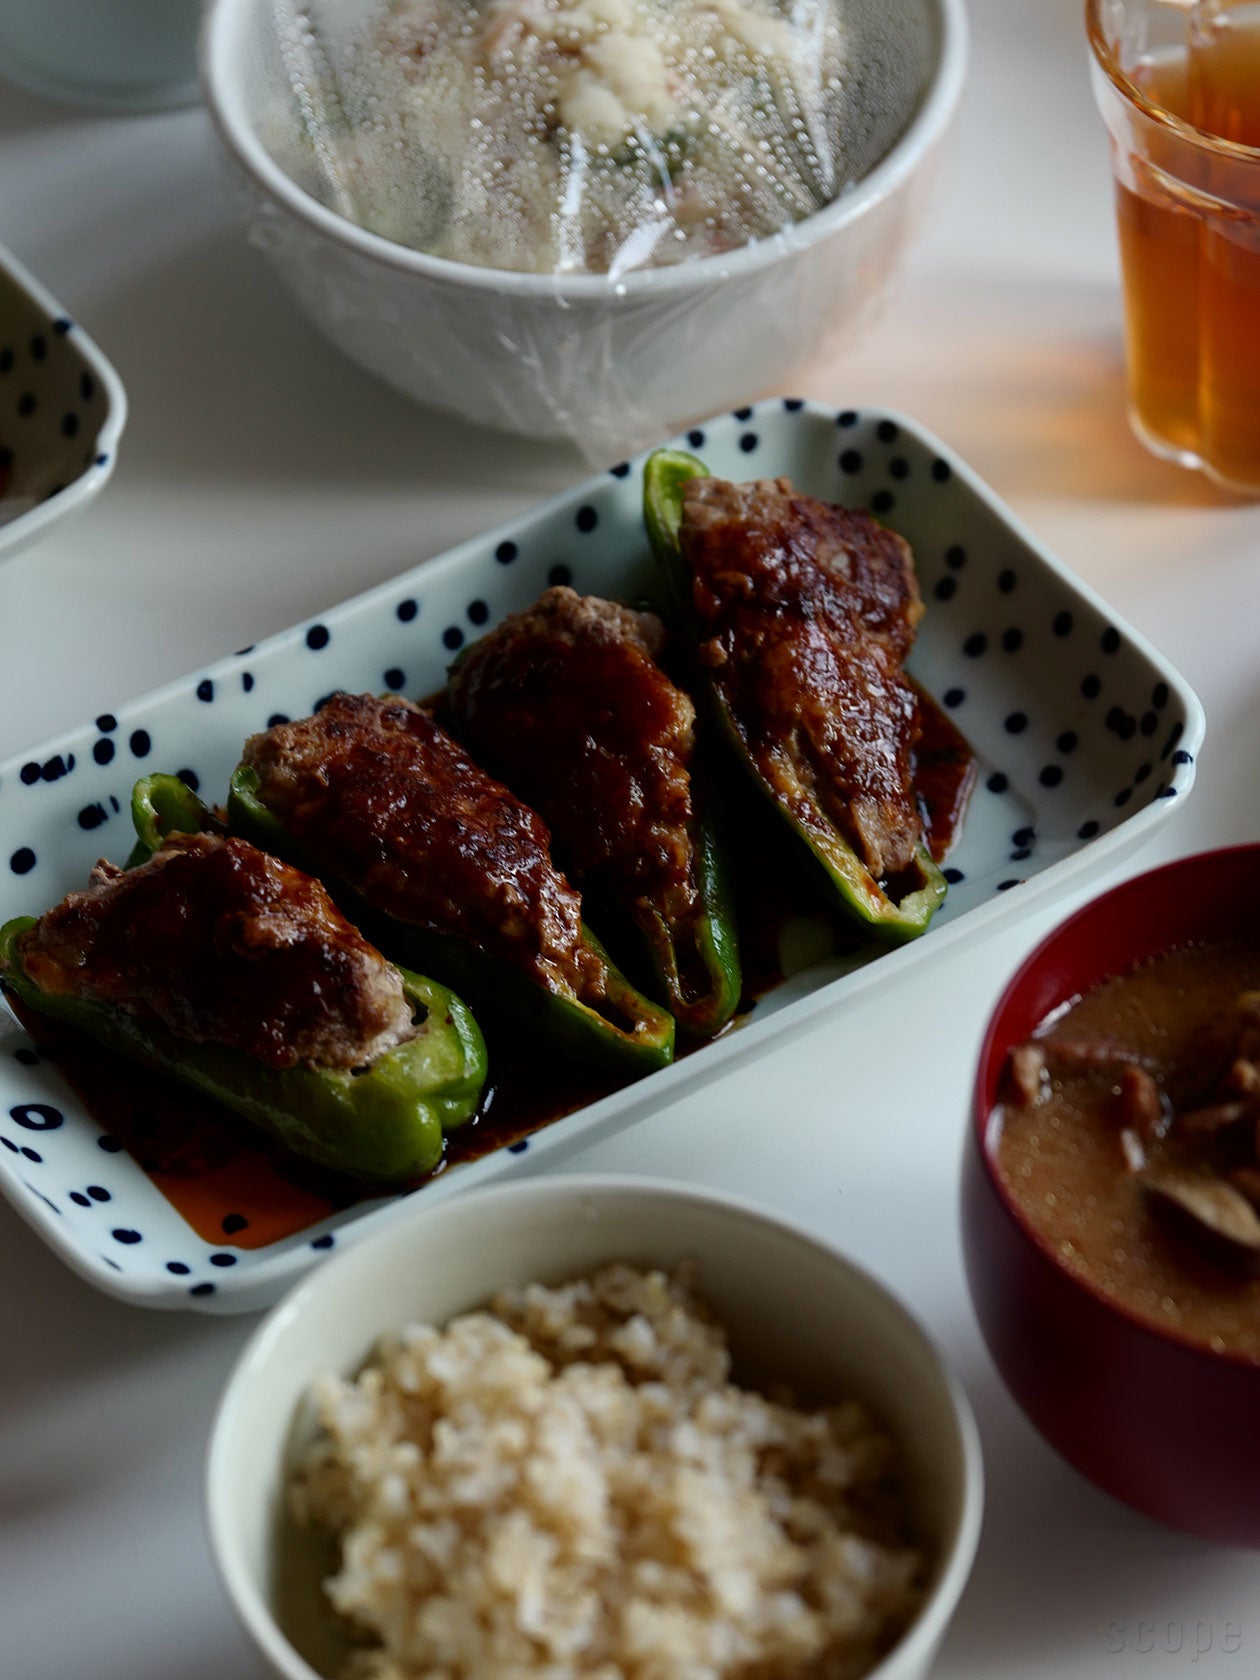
(1086, 739)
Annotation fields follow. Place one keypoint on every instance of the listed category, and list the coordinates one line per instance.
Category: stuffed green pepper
(802, 615)
(568, 704)
(447, 870)
(236, 973)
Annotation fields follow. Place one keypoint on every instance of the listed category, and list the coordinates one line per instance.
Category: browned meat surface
(565, 701)
(384, 799)
(223, 944)
(807, 612)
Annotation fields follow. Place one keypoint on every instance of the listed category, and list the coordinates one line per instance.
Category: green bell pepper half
(666, 474)
(634, 1037)
(384, 1125)
(704, 951)
(162, 804)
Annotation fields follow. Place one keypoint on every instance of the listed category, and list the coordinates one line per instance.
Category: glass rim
(1109, 64)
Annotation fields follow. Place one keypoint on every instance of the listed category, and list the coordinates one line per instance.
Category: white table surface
(262, 479)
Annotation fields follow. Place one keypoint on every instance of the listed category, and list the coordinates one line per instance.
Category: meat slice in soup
(1129, 1137)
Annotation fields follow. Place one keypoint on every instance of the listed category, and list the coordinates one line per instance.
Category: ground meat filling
(383, 798)
(566, 702)
(807, 612)
(222, 944)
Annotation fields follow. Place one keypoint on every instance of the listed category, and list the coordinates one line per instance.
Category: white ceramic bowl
(612, 364)
(796, 1309)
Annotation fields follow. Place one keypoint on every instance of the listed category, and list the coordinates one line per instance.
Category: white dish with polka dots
(1086, 740)
(62, 411)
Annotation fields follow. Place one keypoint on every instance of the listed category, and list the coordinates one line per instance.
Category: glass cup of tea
(1178, 83)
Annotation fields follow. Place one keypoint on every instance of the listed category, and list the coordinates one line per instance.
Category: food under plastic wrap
(560, 141)
(592, 136)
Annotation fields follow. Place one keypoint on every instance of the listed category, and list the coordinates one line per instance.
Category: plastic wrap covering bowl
(611, 361)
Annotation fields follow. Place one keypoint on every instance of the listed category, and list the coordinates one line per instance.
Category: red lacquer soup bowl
(1169, 1427)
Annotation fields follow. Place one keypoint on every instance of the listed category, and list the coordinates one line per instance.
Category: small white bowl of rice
(607, 1428)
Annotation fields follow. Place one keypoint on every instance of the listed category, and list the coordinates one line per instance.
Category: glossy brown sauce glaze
(567, 703)
(1130, 1141)
(381, 797)
(807, 612)
(221, 943)
(944, 775)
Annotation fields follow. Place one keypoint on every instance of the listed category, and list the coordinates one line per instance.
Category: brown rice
(569, 1487)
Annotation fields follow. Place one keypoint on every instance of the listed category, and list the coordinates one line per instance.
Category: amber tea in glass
(1179, 89)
